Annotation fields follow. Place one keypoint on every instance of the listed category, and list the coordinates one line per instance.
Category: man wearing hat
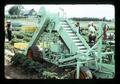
(92, 33)
(9, 30)
(105, 28)
(77, 25)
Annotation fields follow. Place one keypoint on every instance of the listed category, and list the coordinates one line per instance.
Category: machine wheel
(85, 73)
(34, 53)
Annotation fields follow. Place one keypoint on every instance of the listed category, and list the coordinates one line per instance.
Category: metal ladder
(80, 45)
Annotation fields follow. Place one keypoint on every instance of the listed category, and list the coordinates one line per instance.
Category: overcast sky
(77, 10)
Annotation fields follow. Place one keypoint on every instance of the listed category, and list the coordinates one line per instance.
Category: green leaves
(17, 59)
(27, 64)
(16, 10)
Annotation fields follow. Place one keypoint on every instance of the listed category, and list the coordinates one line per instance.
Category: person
(92, 33)
(77, 25)
(105, 28)
(9, 30)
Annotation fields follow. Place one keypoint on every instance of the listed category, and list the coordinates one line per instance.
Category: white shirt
(92, 30)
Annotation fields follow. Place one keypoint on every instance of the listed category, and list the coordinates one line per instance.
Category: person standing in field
(105, 28)
(92, 32)
(77, 25)
(9, 30)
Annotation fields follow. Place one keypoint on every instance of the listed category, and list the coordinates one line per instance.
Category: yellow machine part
(25, 45)
(28, 28)
(20, 45)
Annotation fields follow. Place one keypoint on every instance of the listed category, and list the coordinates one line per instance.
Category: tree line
(90, 19)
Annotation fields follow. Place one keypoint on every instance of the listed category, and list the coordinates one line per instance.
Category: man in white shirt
(92, 33)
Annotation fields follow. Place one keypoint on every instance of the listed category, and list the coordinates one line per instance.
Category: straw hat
(8, 21)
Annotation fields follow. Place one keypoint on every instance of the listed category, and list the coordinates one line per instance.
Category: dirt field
(12, 72)
(17, 73)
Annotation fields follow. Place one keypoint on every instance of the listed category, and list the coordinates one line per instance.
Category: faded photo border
(111, 2)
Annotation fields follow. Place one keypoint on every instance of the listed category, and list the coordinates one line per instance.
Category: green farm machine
(57, 41)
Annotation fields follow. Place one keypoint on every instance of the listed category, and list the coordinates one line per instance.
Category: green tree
(16, 10)
(104, 19)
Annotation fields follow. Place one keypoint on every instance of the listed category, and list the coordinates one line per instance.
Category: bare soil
(13, 72)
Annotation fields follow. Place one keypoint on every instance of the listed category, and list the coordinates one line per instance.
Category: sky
(77, 10)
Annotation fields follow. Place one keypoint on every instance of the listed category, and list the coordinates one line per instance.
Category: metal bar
(113, 59)
(106, 72)
(100, 45)
(96, 45)
(70, 64)
(73, 57)
(107, 53)
(96, 63)
(78, 70)
(109, 67)
(68, 59)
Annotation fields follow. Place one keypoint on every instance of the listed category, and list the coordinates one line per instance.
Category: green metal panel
(55, 48)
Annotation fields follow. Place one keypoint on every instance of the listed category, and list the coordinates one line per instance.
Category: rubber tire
(83, 73)
(34, 53)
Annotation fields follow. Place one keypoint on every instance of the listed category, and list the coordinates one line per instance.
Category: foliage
(18, 58)
(53, 75)
(29, 34)
(17, 33)
(20, 36)
(49, 75)
(90, 19)
(27, 64)
(16, 40)
(15, 10)
(32, 66)
(27, 39)
(16, 29)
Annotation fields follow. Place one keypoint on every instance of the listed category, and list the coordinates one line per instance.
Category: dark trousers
(9, 35)
(104, 36)
(92, 39)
